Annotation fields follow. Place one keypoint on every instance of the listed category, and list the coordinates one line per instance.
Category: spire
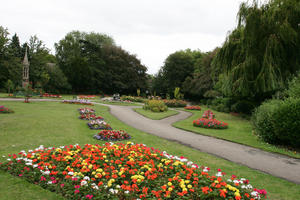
(25, 61)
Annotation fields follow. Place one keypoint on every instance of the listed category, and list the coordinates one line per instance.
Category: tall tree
(262, 53)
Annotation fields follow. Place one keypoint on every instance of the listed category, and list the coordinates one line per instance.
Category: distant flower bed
(99, 124)
(86, 111)
(83, 102)
(175, 103)
(51, 95)
(133, 99)
(208, 121)
(112, 135)
(90, 117)
(87, 96)
(3, 109)
(192, 108)
(124, 171)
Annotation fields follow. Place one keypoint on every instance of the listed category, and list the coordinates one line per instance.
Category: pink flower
(62, 185)
(89, 196)
(20, 174)
(43, 178)
(76, 191)
(77, 186)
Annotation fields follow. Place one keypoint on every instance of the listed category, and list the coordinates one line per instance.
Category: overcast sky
(150, 29)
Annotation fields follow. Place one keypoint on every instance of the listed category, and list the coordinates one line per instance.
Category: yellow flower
(170, 184)
(189, 186)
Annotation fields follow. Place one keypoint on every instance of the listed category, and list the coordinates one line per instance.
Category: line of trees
(256, 61)
(88, 63)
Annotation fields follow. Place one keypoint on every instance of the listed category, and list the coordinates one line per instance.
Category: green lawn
(55, 124)
(239, 131)
(155, 115)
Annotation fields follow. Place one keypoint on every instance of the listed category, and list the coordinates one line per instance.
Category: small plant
(86, 111)
(208, 121)
(3, 109)
(177, 94)
(138, 92)
(112, 135)
(175, 103)
(90, 117)
(155, 106)
(99, 124)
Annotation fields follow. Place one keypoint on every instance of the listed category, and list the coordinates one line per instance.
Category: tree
(9, 85)
(262, 53)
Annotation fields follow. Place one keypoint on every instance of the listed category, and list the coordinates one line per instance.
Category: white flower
(49, 182)
(35, 165)
(86, 178)
(8, 159)
(126, 192)
(219, 174)
(71, 173)
(83, 183)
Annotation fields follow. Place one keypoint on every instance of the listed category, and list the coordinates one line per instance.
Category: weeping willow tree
(263, 51)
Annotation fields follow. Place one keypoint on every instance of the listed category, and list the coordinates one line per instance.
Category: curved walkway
(275, 164)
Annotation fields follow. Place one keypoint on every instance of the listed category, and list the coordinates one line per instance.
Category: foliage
(294, 87)
(9, 85)
(175, 103)
(177, 94)
(138, 92)
(243, 106)
(155, 106)
(261, 54)
(92, 62)
(3, 109)
(210, 123)
(124, 171)
(276, 122)
(178, 66)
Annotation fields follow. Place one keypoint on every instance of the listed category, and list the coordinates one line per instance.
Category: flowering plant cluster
(86, 111)
(90, 117)
(99, 124)
(124, 171)
(51, 95)
(208, 121)
(87, 97)
(112, 135)
(3, 109)
(83, 102)
(208, 114)
(175, 103)
(192, 108)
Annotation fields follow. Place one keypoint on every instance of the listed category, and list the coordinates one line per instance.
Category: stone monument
(25, 79)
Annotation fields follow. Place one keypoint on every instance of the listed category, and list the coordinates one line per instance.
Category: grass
(239, 131)
(55, 124)
(155, 115)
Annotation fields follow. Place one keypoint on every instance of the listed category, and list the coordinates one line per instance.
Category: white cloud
(150, 29)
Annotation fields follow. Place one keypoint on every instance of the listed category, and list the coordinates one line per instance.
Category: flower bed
(86, 97)
(3, 109)
(210, 123)
(208, 114)
(112, 135)
(51, 95)
(83, 102)
(90, 117)
(124, 171)
(99, 124)
(86, 111)
(192, 108)
(175, 103)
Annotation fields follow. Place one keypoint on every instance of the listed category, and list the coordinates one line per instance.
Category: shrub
(155, 106)
(175, 103)
(294, 87)
(278, 122)
(286, 122)
(243, 106)
(5, 110)
(262, 121)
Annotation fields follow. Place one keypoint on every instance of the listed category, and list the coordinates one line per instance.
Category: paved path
(270, 163)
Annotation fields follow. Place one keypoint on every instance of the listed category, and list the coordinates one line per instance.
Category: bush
(287, 122)
(155, 106)
(278, 122)
(3, 109)
(294, 87)
(175, 103)
(262, 121)
(243, 106)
